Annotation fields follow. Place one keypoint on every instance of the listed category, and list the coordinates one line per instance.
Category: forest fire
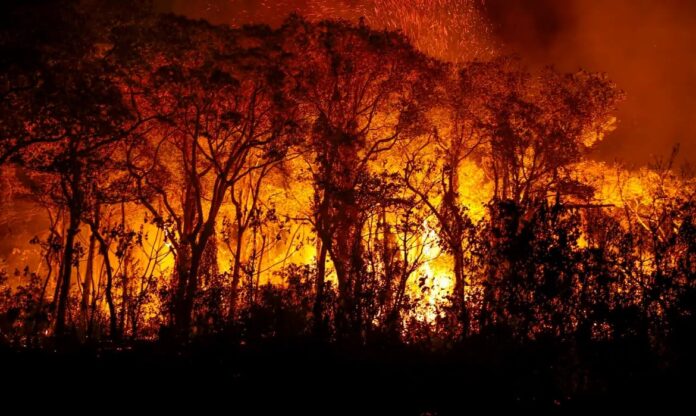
(360, 175)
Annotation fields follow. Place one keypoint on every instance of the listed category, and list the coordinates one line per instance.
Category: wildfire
(331, 159)
(434, 285)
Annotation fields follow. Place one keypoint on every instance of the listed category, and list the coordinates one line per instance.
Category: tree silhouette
(221, 116)
(348, 79)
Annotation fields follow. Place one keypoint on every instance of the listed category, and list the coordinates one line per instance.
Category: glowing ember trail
(454, 30)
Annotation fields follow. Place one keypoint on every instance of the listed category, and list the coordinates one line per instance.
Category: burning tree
(74, 117)
(360, 91)
(221, 115)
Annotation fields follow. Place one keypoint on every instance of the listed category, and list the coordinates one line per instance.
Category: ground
(307, 378)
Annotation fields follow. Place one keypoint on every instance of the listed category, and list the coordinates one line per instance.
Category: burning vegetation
(165, 178)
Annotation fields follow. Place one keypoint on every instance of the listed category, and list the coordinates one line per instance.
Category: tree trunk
(236, 271)
(108, 290)
(346, 256)
(185, 302)
(66, 271)
(318, 310)
(125, 298)
(393, 317)
(459, 288)
(125, 295)
(88, 280)
(357, 268)
(191, 289)
(188, 286)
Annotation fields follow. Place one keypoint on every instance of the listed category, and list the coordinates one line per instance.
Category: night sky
(646, 47)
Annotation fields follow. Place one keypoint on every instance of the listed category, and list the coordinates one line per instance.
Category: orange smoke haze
(644, 46)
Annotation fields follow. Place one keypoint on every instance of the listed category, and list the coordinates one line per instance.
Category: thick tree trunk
(344, 307)
(66, 271)
(184, 324)
(346, 256)
(188, 287)
(183, 267)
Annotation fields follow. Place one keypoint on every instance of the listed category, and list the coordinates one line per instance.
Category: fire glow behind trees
(324, 179)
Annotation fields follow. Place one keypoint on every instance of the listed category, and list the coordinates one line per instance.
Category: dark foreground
(307, 378)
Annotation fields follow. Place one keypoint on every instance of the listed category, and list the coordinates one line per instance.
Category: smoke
(645, 46)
